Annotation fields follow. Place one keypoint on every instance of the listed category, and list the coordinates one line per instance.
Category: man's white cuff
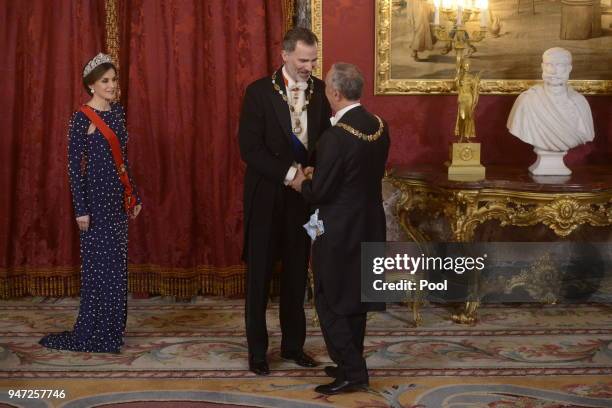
(290, 175)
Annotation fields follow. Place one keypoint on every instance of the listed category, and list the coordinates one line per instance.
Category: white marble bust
(552, 116)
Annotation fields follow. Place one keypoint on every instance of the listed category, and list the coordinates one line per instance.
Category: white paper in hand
(314, 226)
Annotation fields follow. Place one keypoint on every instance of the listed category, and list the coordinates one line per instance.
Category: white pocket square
(314, 226)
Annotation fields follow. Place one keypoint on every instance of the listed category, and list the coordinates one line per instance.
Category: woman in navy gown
(98, 200)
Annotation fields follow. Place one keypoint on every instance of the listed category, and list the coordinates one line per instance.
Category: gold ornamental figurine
(465, 154)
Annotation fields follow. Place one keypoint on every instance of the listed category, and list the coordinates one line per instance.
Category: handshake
(300, 176)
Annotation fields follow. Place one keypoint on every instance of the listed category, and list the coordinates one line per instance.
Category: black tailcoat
(346, 188)
(274, 213)
(265, 146)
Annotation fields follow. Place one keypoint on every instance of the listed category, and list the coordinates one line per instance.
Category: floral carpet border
(443, 372)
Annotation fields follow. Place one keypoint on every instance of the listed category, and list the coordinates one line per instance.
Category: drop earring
(92, 91)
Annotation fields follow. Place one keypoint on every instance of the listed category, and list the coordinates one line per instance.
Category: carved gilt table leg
(404, 206)
(416, 313)
(465, 217)
(468, 315)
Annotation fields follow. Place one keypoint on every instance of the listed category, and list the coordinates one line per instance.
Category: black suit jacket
(265, 146)
(347, 189)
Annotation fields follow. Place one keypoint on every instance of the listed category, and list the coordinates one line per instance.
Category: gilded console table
(508, 197)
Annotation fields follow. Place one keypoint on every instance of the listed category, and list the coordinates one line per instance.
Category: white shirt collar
(336, 118)
(291, 82)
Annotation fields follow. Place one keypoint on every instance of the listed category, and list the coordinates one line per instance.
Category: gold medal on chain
(295, 114)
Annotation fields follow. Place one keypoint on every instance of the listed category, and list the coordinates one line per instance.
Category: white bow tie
(299, 85)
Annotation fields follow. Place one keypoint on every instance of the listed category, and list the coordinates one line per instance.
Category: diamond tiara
(97, 60)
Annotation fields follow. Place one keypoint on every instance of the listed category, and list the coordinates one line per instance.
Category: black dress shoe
(302, 359)
(341, 387)
(259, 367)
(331, 371)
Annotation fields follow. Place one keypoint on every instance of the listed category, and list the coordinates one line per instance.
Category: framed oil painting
(411, 60)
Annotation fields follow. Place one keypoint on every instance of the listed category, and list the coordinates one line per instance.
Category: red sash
(129, 200)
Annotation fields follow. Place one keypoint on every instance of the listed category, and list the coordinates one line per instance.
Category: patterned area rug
(194, 355)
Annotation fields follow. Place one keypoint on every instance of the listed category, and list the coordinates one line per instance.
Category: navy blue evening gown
(97, 191)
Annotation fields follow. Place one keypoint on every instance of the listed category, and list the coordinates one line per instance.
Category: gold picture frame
(316, 26)
(387, 83)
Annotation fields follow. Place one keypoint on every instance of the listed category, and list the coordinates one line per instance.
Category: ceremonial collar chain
(361, 135)
(308, 94)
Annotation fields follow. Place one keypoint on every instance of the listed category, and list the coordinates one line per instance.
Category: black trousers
(344, 336)
(289, 243)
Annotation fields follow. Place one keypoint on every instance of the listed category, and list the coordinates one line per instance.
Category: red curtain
(189, 63)
(44, 46)
(184, 68)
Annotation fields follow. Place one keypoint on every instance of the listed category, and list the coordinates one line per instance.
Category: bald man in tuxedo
(346, 188)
